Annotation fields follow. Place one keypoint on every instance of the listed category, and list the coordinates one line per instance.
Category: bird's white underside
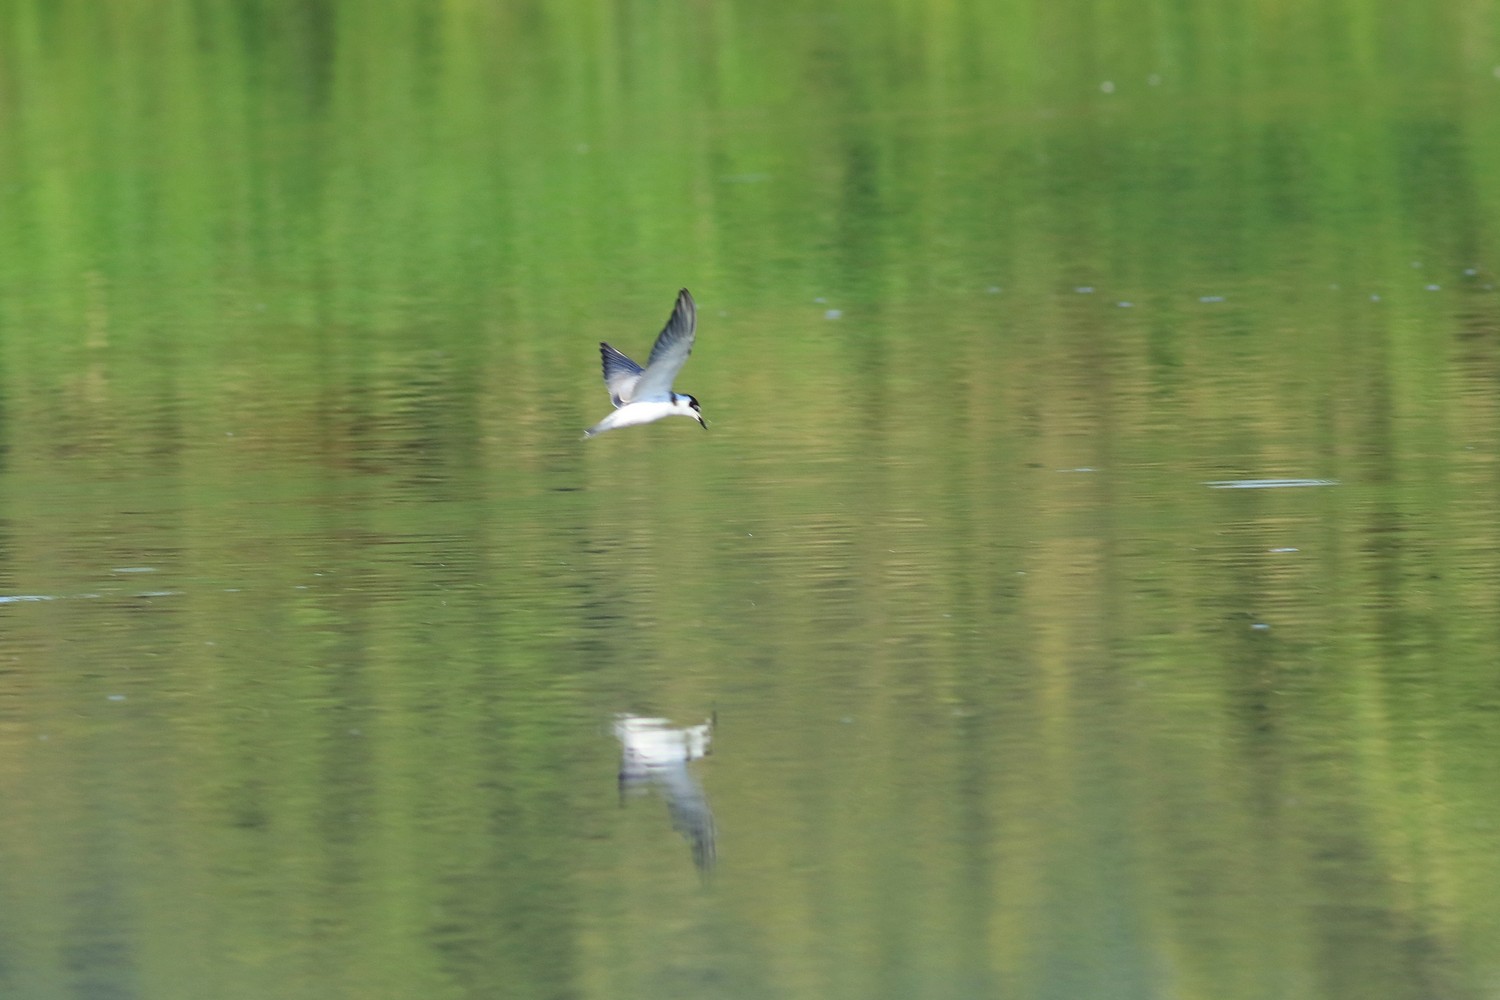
(639, 413)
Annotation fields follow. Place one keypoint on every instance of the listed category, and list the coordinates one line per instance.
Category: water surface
(1092, 564)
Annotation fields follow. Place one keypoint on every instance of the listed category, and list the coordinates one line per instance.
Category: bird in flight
(642, 395)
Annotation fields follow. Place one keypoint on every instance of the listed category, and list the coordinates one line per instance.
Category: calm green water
(1093, 562)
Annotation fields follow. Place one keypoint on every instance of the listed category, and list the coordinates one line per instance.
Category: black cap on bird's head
(692, 402)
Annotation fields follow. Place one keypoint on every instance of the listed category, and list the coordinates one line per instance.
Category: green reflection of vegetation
(266, 266)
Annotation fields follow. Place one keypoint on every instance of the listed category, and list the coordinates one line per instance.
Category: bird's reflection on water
(654, 751)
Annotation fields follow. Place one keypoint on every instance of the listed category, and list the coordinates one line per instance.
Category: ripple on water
(1267, 484)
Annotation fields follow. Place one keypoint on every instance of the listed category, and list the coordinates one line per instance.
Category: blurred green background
(314, 610)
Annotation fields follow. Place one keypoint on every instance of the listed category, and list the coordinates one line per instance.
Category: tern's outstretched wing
(670, 353)
(688, 807)
(620, 374)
